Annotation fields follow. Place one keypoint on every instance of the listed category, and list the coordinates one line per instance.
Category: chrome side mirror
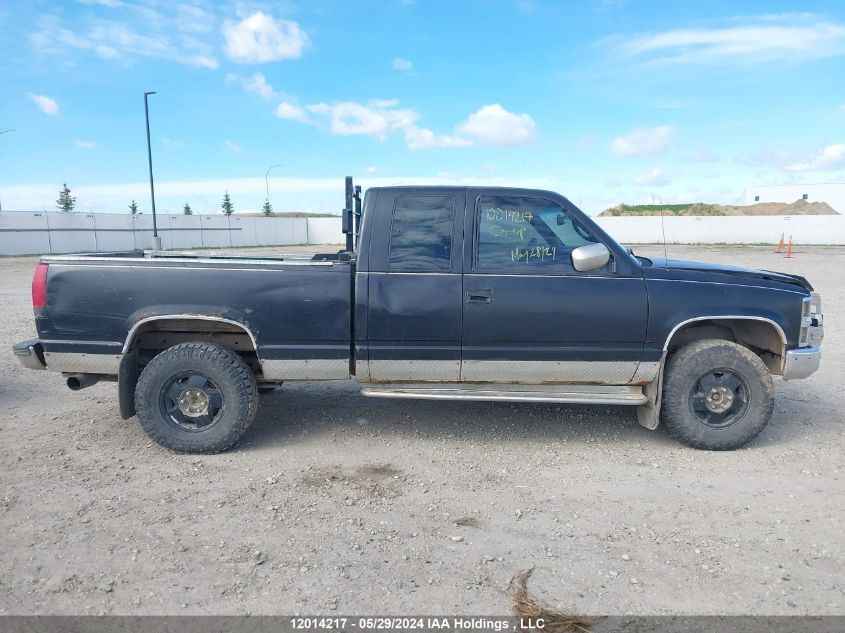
(590, 257)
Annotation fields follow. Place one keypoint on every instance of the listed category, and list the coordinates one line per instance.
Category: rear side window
(421, 234)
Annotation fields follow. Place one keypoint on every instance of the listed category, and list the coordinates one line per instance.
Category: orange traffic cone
(789, 248)
(780, 244)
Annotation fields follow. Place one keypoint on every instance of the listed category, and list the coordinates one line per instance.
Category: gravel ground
(336, 503)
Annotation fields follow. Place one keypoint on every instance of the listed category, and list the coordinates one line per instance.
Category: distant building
(832, 192)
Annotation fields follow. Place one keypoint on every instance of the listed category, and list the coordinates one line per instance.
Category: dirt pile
(799, 207)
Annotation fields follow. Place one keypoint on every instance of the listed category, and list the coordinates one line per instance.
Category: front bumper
(801, 362)
(30, 353)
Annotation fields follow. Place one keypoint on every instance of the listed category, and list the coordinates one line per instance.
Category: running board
(570, 394)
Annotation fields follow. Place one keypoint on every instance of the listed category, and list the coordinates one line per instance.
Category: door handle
(485, 295)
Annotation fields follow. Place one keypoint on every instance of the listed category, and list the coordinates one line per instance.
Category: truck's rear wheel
(717, 395)
(196, 398)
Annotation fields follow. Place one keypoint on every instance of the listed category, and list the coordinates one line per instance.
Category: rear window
(421, 234)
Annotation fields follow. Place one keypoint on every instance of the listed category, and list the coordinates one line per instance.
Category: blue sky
(605, 101)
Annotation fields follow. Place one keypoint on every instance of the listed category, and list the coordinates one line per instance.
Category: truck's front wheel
(717, 395)
(196, 398)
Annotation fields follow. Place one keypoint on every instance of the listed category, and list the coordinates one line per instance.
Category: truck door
(414, 286)
(529, 317)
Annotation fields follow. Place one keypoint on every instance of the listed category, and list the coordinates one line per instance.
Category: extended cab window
(421, 234)
(521, 234)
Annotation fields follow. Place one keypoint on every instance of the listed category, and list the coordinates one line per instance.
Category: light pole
(267, 181)
(156, 238)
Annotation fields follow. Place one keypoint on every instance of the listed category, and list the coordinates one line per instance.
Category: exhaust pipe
(80, 381)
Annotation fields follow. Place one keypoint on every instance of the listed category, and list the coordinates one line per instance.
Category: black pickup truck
(460, 293)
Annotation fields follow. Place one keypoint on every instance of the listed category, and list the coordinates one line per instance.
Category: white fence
(23, 233)
(39, 233)
(805, 229)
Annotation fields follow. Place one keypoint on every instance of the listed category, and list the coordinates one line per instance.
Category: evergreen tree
(267, 208)
(187, 210)
(133, 208)
(65, 202)
(227, 206)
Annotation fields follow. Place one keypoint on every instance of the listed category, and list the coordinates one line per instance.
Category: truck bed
(296, 309)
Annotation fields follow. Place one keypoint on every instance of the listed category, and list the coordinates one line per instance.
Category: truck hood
(723, 269)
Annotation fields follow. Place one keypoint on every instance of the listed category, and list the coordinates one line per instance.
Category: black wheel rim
(719, 398)
(190, 401)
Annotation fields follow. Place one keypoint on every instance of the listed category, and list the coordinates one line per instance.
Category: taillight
(39, 287)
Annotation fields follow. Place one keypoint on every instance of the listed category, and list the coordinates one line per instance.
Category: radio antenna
(663, 230)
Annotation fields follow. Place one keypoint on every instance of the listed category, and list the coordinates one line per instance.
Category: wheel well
(761, 337)
(156, 335)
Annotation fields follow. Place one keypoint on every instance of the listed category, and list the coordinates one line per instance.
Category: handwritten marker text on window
(537, 252)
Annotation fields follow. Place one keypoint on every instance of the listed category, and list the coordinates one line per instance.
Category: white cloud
(379, 118)
(400, 63)
(45, 104)
(422, 138)
(191, 17)
(291, 112)
(787, 37)
(260, 38)
(830, 157)
(702, 155)
(654, 178)
(145, 33)
(382, 118)
(372, 169)
(644, 141)
(256, 83)
(493, 125)
(771, 156)
(234, 146)
(201, 61)
(81, 144)
(112, 4)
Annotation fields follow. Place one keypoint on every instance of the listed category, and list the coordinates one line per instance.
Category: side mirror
(590, 257)
(560, 219)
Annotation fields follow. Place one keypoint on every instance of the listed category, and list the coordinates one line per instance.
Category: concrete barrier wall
(804, 229)
(23, 233)
(40, 233)
(325, 231)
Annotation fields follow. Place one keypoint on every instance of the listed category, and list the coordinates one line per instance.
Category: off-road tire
(683, 372)
(233, 379)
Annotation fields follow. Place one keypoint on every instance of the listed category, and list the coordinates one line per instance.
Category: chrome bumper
(30, 354)
(801, 362)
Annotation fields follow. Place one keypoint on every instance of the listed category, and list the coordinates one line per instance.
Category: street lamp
(156, 238)
(267, 181)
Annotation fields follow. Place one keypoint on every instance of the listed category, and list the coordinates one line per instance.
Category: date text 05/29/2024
(419, 623)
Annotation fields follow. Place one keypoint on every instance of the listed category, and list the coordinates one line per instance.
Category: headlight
(811, 317)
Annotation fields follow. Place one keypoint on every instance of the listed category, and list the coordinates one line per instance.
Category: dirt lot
(341, 504)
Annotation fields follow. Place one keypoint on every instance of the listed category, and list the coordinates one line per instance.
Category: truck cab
(499, 286)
